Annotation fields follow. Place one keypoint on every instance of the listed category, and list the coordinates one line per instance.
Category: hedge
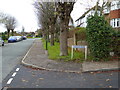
(99, 36)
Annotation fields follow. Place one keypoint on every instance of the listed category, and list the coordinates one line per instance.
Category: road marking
(10, 80)
(14, 74)
(17, 69)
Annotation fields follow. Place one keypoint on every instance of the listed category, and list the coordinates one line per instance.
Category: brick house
(112, 14)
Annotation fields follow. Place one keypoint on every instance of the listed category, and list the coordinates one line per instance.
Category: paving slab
(100, 66)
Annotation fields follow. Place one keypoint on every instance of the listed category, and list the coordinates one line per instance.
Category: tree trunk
(12, 32)
(64, 11)
(52, 39)
(56, 37)
(63, 40)
(8, 32)
(52, 35)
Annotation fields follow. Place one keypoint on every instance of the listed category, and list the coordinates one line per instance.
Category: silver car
(1, 42)
(19, 38)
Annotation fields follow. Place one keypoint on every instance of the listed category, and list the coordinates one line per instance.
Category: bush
(115, 45)
(81, 34)
(99, 34)
(4, 37)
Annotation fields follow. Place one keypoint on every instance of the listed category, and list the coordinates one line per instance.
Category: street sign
(75, 46)
(78, 46)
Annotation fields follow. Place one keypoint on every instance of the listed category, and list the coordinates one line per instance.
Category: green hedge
(115, 45)
(99, 36)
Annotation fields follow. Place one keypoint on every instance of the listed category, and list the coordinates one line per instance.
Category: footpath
(37, 57)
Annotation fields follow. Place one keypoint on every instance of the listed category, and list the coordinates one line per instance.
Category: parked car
(12, 39)
(19, 38)
(1, 42)
(24, 37)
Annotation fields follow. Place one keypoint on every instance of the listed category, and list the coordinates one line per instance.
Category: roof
(93, 8)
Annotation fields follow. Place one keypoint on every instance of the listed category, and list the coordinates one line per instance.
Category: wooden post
(72, 52)
(75, 46)
(85, 52)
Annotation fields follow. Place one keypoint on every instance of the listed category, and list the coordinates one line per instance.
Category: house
(112, 14)
(82, 20)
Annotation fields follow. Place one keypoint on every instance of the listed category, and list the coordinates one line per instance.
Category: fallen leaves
(23, 80)
(111, 74)
(37, 85)
(41, 78)
(91, 72)
(110, 86)
(107, 80)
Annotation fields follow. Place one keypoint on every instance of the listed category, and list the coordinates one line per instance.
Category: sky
(23, 11)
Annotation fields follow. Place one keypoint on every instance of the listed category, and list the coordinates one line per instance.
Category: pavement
(37, 57)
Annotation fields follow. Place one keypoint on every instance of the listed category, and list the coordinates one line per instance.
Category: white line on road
(17, 69)
(10, 80)
(14, 74)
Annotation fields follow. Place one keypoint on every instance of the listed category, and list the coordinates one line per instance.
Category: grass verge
(54, 53)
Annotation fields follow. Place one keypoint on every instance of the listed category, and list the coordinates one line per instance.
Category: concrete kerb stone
(101, 70)
(106, 67)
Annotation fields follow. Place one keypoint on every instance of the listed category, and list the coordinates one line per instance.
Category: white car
(19, 38)
(1, 42)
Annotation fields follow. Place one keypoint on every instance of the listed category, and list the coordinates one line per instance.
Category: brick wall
(115, 14)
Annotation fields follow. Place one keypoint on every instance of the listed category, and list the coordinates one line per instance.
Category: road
(11, 55)
(26, 77)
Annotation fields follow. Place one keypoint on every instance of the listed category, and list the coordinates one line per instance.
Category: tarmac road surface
(11, 55)
(26, 77)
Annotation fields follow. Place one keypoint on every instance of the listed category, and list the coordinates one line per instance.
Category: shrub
(115, 45)
(99, 34)
(81, 34)
(4, 37)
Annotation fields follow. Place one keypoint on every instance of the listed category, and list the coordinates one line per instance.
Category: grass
(33, 37)
(5, 40)
(54, 53)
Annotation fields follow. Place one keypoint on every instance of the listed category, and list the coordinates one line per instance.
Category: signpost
(76, 46)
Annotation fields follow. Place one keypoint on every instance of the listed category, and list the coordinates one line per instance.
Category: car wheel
(3, 44)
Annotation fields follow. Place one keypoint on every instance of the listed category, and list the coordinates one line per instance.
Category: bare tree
(9, 21)
(46, 15)
(10, 24)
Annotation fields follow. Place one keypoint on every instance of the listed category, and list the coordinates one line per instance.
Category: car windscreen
(12, 37)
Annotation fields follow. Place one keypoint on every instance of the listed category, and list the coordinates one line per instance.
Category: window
(107, 9)
(118, 5)
(118, 22)
(115, 5)
(115, 22)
